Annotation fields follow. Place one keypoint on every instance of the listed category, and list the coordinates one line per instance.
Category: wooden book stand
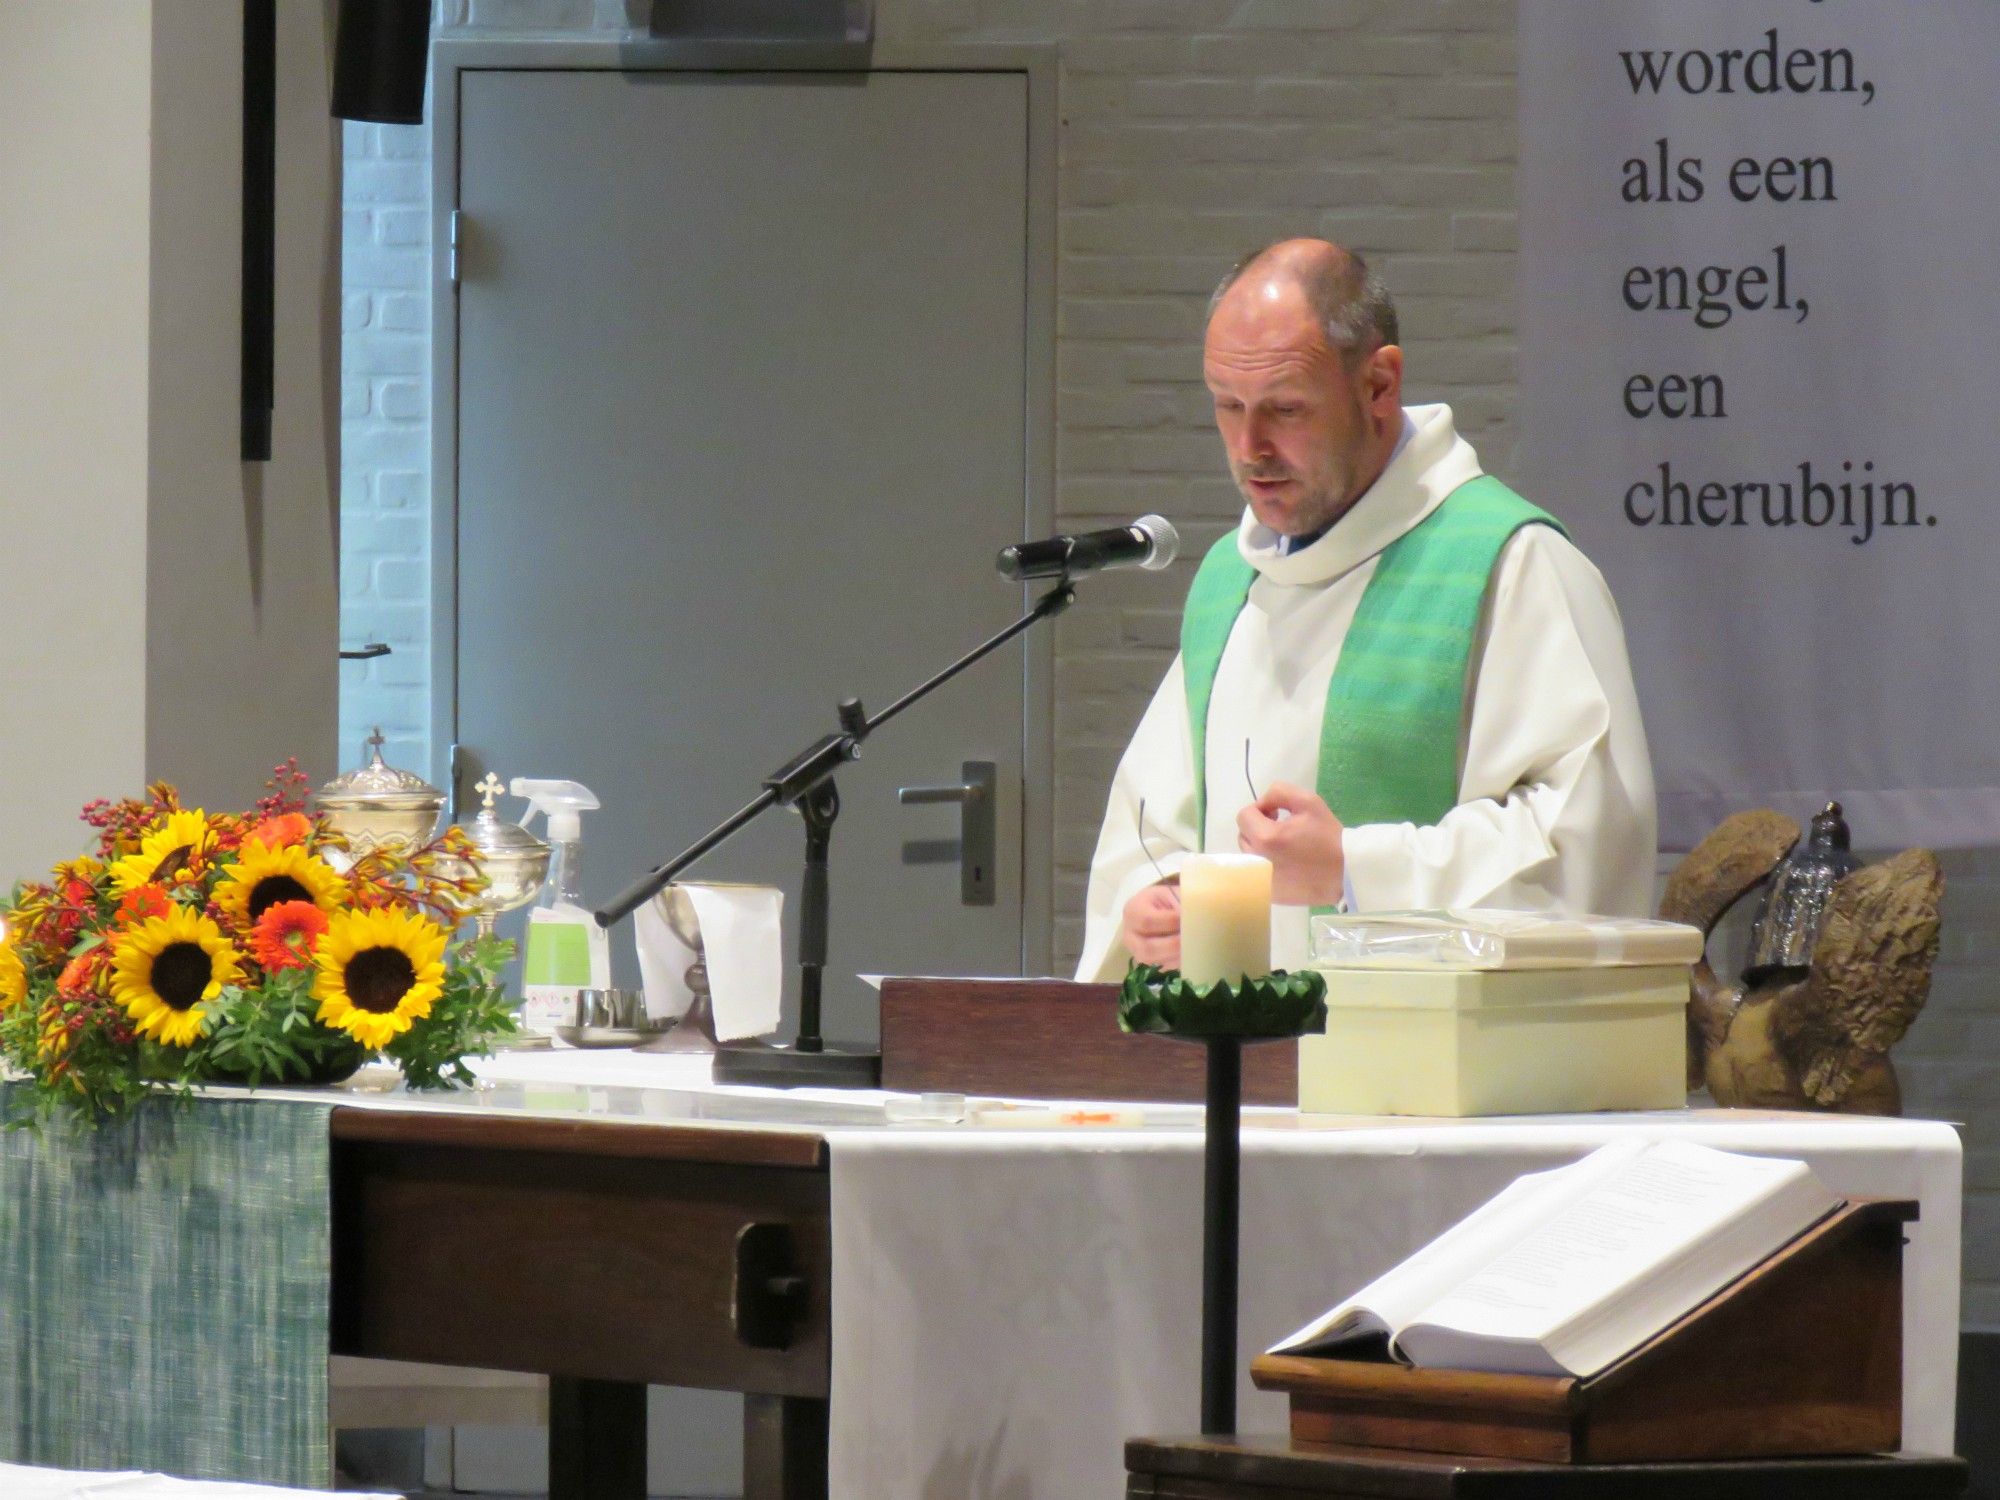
(1049, 1039)
(1802, 1355)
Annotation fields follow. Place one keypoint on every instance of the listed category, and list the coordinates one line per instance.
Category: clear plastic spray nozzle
(563, 801)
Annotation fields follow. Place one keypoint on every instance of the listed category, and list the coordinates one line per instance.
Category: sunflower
(379, 972)
(183, 838)
(266, 874)
(83, 868)
(13, 978)
(166, 967)
(285, 936)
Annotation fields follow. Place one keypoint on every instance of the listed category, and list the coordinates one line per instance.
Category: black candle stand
(1223, 1017)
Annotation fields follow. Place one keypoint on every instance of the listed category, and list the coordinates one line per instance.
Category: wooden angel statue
(1840, 964)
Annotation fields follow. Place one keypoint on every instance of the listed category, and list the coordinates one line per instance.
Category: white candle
(1225, 917)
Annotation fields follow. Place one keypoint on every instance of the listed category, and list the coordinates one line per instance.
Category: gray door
(741, 418)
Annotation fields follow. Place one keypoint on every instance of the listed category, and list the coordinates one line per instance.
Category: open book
(1566, 1272)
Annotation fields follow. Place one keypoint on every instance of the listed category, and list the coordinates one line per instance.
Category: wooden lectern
(1802, 1355)
(1279, 1468)
(1049, 1039)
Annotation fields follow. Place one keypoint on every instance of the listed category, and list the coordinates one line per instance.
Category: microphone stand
(805, 782)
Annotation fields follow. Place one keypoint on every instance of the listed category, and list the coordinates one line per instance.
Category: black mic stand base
(764, 1065)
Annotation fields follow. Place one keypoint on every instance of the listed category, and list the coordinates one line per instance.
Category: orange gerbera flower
(81, 976)
(286, 935)
(140, 903)
(285, 828)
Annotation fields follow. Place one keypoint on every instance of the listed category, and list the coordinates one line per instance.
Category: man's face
(1296, 424)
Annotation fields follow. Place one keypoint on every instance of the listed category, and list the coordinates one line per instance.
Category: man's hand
(1303, 845)
(1153, 926)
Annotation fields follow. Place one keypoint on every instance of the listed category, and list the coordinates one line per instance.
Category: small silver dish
(611, 1018)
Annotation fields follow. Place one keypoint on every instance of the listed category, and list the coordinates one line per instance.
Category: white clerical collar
(1430, 461)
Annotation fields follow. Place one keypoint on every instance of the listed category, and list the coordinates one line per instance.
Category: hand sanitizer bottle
(566, 950)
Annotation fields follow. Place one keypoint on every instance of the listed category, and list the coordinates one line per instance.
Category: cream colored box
(1498, 1042)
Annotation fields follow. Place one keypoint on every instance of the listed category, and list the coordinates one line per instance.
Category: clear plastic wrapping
(1474, 938)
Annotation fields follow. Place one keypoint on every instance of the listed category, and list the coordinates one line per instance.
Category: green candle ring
(1162, 1002)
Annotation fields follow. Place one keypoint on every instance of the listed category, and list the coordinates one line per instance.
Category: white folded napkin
(743, 944)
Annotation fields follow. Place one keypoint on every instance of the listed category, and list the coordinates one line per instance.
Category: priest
(1398, 680)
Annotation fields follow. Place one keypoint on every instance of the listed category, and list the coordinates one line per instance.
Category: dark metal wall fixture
(381, 58)
(851, 21)
(260, 175)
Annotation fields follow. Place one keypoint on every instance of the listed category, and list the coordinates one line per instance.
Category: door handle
(977, 826)
(771, 1296)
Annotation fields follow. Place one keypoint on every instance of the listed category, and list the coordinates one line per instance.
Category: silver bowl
(380, 807)
(611, 1018)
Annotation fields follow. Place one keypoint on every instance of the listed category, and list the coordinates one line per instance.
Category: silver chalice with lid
(512, 859)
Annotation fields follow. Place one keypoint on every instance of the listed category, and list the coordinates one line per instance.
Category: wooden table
(606, 1255)
(1277, 1468)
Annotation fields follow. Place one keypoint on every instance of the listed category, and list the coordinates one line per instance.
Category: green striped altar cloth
(164, 1287)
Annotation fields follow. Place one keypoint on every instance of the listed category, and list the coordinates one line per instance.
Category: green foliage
(1279, 1004)
(268, 1035)
(94, 1072)
(471, 1014)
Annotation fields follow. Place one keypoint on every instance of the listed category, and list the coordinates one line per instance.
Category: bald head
(1348, 301)
(1301, 358)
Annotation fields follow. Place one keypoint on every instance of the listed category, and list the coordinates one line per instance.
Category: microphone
(1149, 542)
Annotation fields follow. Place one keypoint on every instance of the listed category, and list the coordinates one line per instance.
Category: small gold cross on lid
(492, 786)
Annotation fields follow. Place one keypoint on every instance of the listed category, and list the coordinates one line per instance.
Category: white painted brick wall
(385, 440)
(1191, 130)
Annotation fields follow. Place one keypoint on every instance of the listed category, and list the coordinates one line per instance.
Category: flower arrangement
(251, 948)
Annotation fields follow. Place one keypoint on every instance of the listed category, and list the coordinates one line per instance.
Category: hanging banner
(1759, 336)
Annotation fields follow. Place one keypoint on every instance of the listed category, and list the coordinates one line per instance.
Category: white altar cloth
(19, 1482)
(1008, 1309)
(1009, 1304)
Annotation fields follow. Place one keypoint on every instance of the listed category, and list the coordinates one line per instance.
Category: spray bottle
(566, 950)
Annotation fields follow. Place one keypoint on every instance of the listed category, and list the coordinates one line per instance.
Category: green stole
(1388, 748)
